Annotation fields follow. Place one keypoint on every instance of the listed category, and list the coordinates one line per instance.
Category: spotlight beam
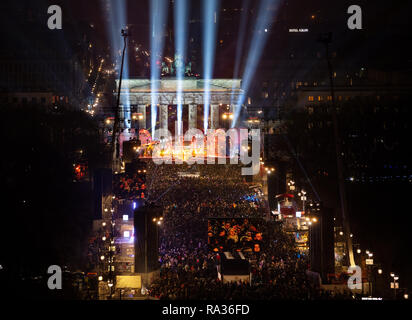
(116, 11)
(180, 25)
(259, 38)
(210, 8)
(158, 10)
(239, 43)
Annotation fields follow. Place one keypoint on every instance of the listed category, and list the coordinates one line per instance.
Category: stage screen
(237, 234)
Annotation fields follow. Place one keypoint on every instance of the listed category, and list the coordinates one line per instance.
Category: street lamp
(395, 278)
(406, 296)
(380, 271)
(302, 195)
(359, 251)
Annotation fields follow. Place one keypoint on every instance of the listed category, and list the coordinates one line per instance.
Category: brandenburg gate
(138, 94)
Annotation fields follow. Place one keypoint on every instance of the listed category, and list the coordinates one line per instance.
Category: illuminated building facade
(139, 95)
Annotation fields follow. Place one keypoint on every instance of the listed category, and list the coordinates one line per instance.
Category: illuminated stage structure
(138, 94)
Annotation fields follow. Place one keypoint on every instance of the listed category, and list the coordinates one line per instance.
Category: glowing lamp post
(302, 196)
(394, 284)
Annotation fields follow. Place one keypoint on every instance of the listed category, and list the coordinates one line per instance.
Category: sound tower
(321, 244)
(146, 238)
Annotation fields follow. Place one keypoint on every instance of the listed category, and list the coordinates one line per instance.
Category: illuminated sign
(299, 30)
(129, 281)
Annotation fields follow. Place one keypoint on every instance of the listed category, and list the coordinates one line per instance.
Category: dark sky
(382, 43)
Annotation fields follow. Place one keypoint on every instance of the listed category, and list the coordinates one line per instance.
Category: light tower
(115, 135)
(326, 39)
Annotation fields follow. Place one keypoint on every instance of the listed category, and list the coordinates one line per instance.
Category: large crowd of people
(194, 196)
(129, 186)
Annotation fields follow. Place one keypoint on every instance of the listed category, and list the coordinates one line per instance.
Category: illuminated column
(164, 116)
(142, 118)
(192, 116)
(232, 110)
(214, 116)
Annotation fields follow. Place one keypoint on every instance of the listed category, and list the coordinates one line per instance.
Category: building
(43, 66)
(136, 96)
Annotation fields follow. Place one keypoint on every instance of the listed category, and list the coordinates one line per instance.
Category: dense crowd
(234, 235)
(129, 186)
(188, 265)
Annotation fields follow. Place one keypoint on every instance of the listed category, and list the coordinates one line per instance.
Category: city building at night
(138, 94)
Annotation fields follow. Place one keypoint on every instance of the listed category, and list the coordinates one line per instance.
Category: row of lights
(302, 194)
(138, 116)
(158, 221)
(227, 115)
(96, 102)
(269, 170)
(112, 247)
(380, 271)
(310, 221)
